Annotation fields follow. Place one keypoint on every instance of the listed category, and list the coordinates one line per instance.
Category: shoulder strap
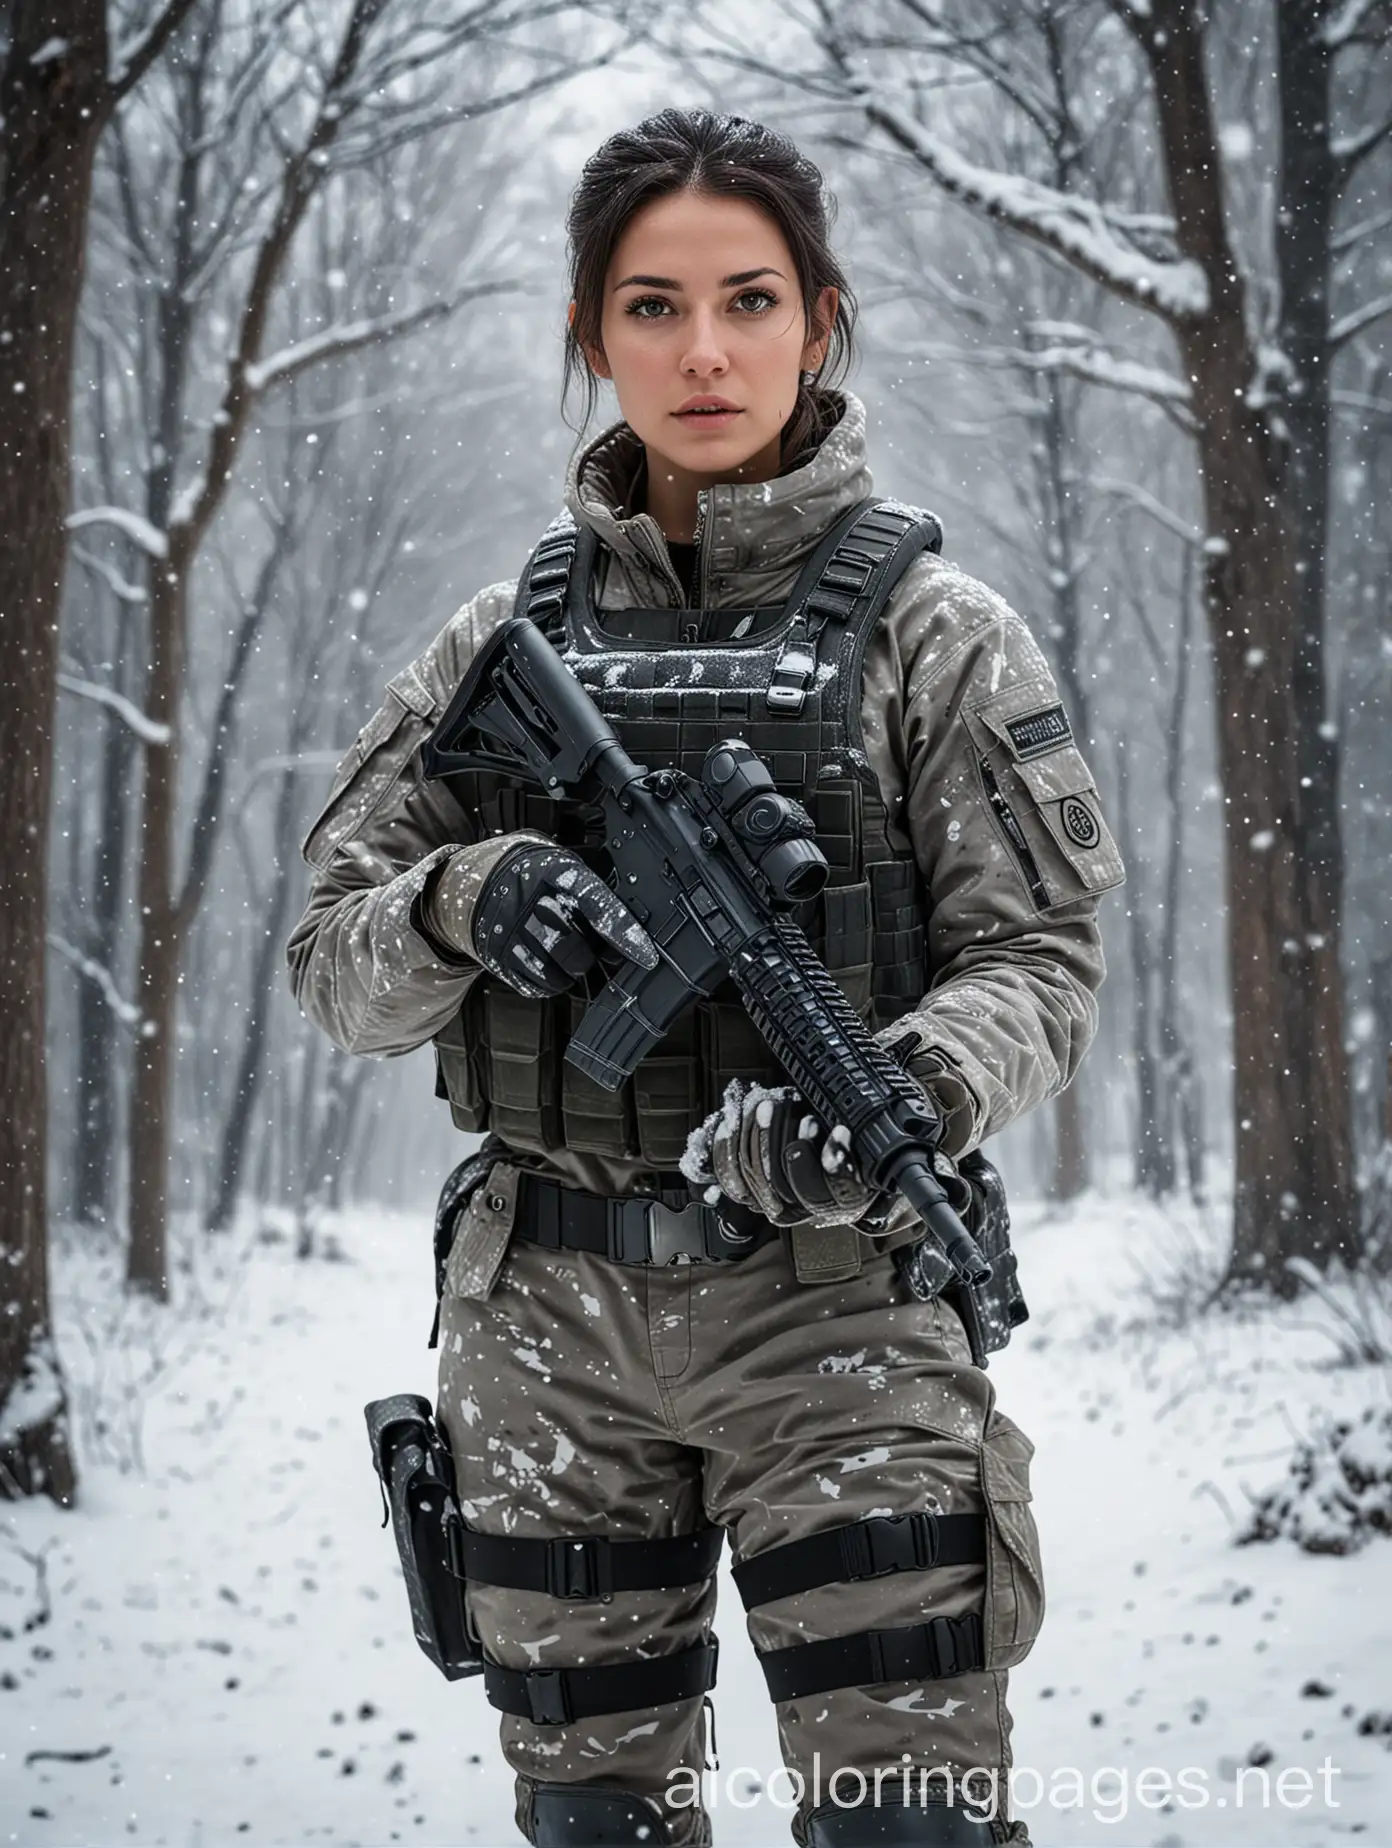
(542, 587)
(846, 584)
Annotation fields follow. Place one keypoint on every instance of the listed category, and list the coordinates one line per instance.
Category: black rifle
(711, 867)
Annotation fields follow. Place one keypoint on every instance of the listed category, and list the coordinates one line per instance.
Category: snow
(147, 729)
(125, 1011)
(228, 1656)
(1345, 21)
(135, 526)
(1080, 228)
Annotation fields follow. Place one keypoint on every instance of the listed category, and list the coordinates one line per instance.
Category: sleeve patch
(1036, 732)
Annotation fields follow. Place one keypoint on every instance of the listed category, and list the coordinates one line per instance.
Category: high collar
(750, 529)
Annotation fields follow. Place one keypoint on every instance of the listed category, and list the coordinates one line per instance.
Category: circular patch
(1079, 823)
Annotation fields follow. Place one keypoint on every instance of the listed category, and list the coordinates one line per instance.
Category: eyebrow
(727, 282)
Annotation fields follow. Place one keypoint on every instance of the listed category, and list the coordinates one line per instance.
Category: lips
(708, 404)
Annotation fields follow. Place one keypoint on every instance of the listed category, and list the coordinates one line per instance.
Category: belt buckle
(651, 1232)
(675, 1234)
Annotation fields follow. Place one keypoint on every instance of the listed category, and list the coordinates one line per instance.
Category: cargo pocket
(1042, 795)
(372, 768)
(483, 1234)
(1014, 1571)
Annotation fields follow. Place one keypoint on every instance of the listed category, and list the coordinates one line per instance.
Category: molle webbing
(672, 683)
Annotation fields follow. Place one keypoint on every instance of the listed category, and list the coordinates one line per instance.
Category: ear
(594, 355)
(823, 320)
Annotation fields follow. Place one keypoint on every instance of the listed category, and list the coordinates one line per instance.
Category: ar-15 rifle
(711, 867)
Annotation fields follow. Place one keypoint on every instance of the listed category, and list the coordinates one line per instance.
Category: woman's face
(702, 299)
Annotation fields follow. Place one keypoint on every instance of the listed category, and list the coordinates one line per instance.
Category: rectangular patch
(1033, 733)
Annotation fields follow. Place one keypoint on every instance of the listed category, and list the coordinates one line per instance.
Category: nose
(705, 348)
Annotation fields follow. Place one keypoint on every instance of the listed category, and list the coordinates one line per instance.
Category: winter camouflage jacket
(1013, 851)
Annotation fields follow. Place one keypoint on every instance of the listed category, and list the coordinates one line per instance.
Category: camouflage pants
(582, 1396)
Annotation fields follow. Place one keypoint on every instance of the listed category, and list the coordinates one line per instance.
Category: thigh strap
(864, 1549)
(556, 1696)
(590, 1565)
(931, 1651)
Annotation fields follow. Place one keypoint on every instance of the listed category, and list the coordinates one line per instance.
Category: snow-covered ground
(223, 1654)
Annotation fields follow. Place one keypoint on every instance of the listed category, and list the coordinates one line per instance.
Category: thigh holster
(440, 1554)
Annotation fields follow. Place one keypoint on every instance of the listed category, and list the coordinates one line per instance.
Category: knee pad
(895, 1825)
(594, 1816)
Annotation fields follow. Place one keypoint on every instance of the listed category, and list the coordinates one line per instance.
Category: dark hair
(722, 156)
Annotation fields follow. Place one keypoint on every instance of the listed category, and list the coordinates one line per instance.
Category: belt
(669, 1228)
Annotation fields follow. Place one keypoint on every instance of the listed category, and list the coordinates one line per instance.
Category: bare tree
(1293, 1146)
(330, 120)
(59, 87)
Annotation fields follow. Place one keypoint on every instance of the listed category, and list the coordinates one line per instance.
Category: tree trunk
(1068, 1171)
(1293, 1184)
(51, 113)
(264, 975)
(1152, 1172)
(1068, 1175)
(1182, 1094)
(161, 933)
(1309, 196)
(96, 1127)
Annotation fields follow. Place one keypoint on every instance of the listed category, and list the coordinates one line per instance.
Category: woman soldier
(629, 1364)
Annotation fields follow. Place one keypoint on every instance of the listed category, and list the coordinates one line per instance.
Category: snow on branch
(1346, 21)
(147, 729)
(125, 1011)
(351, 335)
(1146, 502)
(1082, 230)
(134, 525)
(1358, 318)
(1092, 361)
(127, 593)
(1080, 354)
(1349, 150)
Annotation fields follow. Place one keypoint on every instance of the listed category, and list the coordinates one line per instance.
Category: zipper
(1029, 866)
(698, 580)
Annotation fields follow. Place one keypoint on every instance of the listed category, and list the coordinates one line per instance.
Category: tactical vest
(787, 678)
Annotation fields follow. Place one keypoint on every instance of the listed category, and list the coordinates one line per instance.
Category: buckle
(675, 1233)
(890, 1543)
(580, 1569)
(546, 1697)
(650, 1232)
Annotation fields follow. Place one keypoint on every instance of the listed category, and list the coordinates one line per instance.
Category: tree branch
(148, 729)
(125, 1011)
(333, 342)
(132, 63)
(1074, 228)
(1353, 323)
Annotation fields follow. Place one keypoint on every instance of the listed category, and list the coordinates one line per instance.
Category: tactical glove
(534, 915)
(764, 1149)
